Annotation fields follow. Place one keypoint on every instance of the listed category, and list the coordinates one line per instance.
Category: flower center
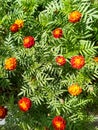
(23, 104)
(77, 61)
(57, 32)
(60, 60)
(26, 40)
(58, 124)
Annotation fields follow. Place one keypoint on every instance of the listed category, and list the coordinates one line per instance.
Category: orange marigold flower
(74, 17)
(3, 112)
(60, 60)
(74, 89)
(10, 63)
(77, 62)
(59, 123)
(24, 104)
(28, 42)
(14, 28)
(57, 33)
(19, 22)
(96, 59)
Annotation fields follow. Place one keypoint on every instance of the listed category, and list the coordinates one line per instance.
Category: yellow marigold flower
(19, 22)
(74, 16)
(10, 63)
(74, 89)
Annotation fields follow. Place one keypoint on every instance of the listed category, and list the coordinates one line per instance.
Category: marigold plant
(48, 57)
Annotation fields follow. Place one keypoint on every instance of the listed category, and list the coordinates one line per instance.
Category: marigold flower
(28, 42)
(24, 104)
(14, 28)
(19, 22)
(77, 62)
(95, 59)
(74, 17)
(59, 123)
(57, 33)
(3, 112)
(60, 60)
(74, 89)
(10, 63)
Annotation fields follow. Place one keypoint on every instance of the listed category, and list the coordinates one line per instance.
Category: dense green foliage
(37, 75)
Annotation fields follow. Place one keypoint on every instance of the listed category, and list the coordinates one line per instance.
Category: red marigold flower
(74, 89)
(19, 22)
(60, 60)
(77, 62)
(57, 33)
(75, 16)
(14, 28)
(3, 112)
(28, 42)
(59, 123)
(10, 63)
(24, 104)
